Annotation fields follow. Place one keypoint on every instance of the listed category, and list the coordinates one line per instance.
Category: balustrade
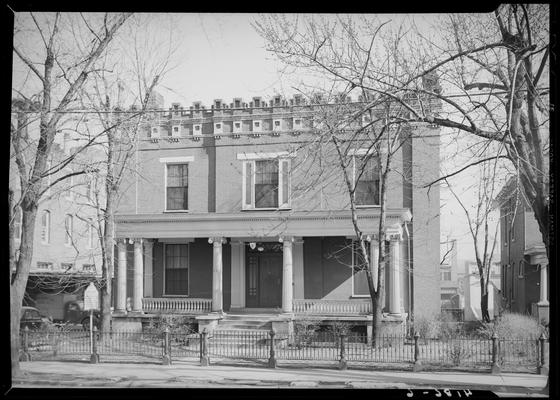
(338, 307)
(177, 305)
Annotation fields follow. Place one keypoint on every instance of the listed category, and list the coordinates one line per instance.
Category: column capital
(394, 233)
(148, 243)
(217, 240)
(371, 237)
(137, 241)
(286, 239)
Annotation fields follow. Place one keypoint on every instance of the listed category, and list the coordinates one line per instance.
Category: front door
(264, 277)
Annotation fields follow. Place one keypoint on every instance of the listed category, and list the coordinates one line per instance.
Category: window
(360, 285)
(277, 125)
(46, 227)
(69, 227)
(297, 123)
(218, 127)
(154, 132)
(366, 178)
(176, 269)
(177, 187)
(176, 131)
(17, 223)
(197, 129)
(445, 275)
(66, 266)
(70, 189)
(88, 267)
(257, 126)
(266, 183)
(44, 265)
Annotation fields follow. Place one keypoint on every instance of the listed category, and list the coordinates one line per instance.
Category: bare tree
(67, 49)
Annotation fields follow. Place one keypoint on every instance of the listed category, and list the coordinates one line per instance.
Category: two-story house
(231, 209)
(524, 264)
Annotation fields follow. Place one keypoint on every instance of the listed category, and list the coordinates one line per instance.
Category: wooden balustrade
(332, 307)
(176, 305)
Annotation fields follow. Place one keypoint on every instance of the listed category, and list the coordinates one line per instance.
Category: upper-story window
(44, 265)
(69, 227)
(154, 132)
(218, 127)
(359, 276)
(197, 129)
(298, 124)
(257, 126)
(46, 227)
(237, 127)
(366, 180)
(266, 183)
(176, 130)
(18, 216)
(445, 275)
(177, 187)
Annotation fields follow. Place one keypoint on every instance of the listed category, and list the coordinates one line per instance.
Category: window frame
(219, 129)
(164, 291)
(237, 129)
(154, 132)
(353, 269)
(281, 165)
(364, 153)
(176, 134)
(47, 239)
(167, 164)
(69, 192)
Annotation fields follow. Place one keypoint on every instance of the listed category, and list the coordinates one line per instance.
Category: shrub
(426, 327)
(305, 330)
(340, 327)
(177, 324)
(513, 326)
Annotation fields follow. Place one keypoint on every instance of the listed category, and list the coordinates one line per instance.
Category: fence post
(25, 356)
(543, 366)
(272, 360)
(495, 367)
(166, 359)
(342, 364)
(417, 365)
(204, 360)
(94, 358)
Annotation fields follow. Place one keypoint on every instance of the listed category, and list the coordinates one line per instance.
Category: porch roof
(254, 223)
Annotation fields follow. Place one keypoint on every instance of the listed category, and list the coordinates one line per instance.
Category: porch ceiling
(254, 223)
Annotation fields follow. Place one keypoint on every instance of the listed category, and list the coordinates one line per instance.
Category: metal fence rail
(495, 354)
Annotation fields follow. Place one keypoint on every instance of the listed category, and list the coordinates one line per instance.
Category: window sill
(267, 209)
(176, 211)
(367, 206)
(359, 296)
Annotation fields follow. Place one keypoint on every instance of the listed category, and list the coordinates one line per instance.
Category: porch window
(366, 180)
(177, 187)
(266, 184)
(176, 269)
(359, 276)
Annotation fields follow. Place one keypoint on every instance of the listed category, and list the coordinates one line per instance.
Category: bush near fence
(466, 353)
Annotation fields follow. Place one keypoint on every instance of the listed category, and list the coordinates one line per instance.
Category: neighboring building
(524, 264)
(228, 213)
(66, 253)
(452, 301)
(470, 282)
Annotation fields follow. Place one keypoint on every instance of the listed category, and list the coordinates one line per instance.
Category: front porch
(302, 266)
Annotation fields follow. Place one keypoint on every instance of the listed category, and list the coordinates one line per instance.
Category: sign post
(91, 302)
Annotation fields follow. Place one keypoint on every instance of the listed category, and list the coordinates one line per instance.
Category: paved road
(192, 375)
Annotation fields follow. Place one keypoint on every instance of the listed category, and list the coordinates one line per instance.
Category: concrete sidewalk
(191, 374)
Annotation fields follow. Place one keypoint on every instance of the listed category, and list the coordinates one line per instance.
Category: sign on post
(91, 298)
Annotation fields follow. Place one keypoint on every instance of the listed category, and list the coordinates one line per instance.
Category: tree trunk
(19, 280)
(484, 300)
(108, 264)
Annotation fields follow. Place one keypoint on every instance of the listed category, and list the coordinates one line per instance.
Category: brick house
(230, 213)
(524, 264)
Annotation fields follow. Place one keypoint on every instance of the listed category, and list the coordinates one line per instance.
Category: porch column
(544, 286)
(148, 267)
(237, 274)
(394, 274)
(121, 276)
(374, 260)
(298, 266)
(217, 267)
(138, 292)
(287, 277)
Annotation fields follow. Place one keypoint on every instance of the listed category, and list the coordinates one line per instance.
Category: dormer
(298, 99)
(197, 105)
(237, 102)
(257, 102)
(218, 104)
(176, 110)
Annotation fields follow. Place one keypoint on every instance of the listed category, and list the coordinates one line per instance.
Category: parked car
(33, 319)
(74, 314)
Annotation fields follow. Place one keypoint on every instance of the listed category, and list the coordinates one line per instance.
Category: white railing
(338, 307)
(176, 305)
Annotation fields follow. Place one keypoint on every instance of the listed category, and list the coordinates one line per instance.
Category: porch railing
(334, 307)
(177, 305)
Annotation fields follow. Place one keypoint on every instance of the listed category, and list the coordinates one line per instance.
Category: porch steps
(246, 321)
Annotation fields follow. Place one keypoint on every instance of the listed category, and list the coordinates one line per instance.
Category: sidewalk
(191, 374)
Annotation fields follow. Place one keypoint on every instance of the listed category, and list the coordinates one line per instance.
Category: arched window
(69, 226)
(46, 227)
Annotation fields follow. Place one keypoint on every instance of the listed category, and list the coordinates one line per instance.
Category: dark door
(264, 280)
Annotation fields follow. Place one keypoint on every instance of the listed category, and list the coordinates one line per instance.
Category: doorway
(264, 276)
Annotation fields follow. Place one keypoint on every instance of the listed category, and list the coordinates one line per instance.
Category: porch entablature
(255, 223)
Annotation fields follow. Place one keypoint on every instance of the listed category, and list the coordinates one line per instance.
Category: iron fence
(495, 353)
